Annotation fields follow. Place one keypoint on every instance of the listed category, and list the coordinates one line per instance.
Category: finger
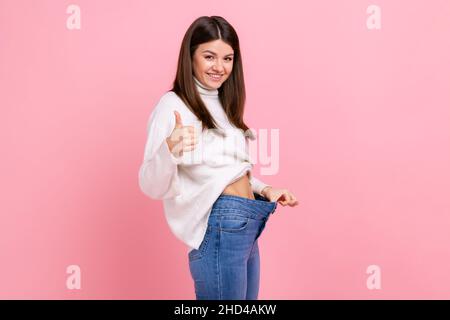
(178, 149)
(291, 199)
(278, 196)
(287, 198)
(192, 136)
(281, 201)
(188, 148)
(178, 122)
(293, 203)
(188, 132)
(188, 135)
(189, 141)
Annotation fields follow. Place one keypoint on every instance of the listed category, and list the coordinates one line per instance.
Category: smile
(215, 77)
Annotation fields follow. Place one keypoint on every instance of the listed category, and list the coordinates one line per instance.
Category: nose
(218, 67)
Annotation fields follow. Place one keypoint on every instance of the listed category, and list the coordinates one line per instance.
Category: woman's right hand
(182, 139)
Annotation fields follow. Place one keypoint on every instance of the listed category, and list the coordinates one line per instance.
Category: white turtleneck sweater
(189, 185)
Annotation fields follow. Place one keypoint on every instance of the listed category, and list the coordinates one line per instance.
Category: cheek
(202, 65)
(197, 67)
(206, 66)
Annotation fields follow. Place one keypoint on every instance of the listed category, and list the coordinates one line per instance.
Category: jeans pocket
(233, 223)
(195, 254)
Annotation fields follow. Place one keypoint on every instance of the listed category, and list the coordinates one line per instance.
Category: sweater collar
(204, 90)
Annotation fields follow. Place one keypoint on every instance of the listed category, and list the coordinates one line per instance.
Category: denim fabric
(226, 265)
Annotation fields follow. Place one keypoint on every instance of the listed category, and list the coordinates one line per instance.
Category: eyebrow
(230, 54)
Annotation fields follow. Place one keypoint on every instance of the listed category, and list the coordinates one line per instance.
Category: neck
(203, 90)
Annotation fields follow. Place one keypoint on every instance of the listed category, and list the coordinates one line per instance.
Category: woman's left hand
(282, 196)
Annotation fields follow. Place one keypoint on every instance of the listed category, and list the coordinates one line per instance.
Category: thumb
(178, 123)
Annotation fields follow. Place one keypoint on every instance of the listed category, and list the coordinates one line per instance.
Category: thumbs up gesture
(182, 139)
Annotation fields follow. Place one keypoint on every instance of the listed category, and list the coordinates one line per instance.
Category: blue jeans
(226, 265)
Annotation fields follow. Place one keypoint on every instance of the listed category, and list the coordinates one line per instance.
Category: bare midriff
(240, 188)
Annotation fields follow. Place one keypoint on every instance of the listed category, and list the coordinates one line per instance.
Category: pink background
(364, 119)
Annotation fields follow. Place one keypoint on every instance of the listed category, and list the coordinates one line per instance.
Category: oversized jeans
(226, 265)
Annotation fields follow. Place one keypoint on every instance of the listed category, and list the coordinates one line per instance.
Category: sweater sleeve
(158, 174)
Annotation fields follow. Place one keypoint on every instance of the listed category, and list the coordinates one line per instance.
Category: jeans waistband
(260, 206)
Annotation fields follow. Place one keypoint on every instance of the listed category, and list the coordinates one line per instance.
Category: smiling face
(213, 63)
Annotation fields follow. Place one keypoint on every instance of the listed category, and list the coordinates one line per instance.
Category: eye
(228, 58)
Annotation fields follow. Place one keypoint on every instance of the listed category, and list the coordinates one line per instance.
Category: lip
(210, 75)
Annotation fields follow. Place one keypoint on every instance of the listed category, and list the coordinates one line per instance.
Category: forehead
(216, 46)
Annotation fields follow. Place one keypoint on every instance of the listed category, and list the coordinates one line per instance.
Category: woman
(196, 160)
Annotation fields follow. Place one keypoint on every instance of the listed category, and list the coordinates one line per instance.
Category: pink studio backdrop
(364, 120)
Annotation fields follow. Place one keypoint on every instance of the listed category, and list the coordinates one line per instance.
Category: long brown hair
(231, 92)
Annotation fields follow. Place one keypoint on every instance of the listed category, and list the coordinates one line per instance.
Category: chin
(214, 85)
